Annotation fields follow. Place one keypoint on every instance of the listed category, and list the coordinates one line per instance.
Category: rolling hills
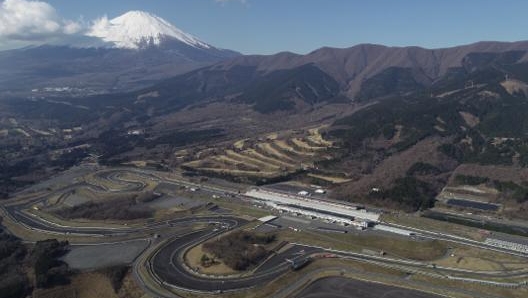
(402, 119)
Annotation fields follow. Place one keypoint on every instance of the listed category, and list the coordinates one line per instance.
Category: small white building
(394, 230)
(135, 132)
(266, 219)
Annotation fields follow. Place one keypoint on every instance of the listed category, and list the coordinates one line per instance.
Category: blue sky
(270, 26)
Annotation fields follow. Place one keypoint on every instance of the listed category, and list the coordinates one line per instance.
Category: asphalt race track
(168, 266)
(164, 261)
(340, 287)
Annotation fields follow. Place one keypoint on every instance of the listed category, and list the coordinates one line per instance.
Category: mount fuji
(130, 51)
(139, 29)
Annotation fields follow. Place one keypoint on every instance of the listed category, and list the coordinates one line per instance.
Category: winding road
(165, 262)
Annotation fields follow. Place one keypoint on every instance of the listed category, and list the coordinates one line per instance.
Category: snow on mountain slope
(137, 29)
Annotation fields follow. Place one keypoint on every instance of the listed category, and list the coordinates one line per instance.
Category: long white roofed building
(309, 206)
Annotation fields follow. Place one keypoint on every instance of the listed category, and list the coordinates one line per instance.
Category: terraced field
(276, 155)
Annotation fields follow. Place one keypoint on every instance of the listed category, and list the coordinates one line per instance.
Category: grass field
(472, 258)
(260, 174)
(239, 208)
(240, 144)
(306, 146)
(475, 287)
(229, 162)
(92, 285)
(247, 159)
(332, 179)
(283, 145)
(315, 136)
(268, 149)
(399, 247)
(255, 154)
(435, 225)
(193, 257)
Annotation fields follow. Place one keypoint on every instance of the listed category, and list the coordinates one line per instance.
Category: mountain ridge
(350, 66)
(417, 115)
(363, 73)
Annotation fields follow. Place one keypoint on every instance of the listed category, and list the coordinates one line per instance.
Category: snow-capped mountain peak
(137, 29)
